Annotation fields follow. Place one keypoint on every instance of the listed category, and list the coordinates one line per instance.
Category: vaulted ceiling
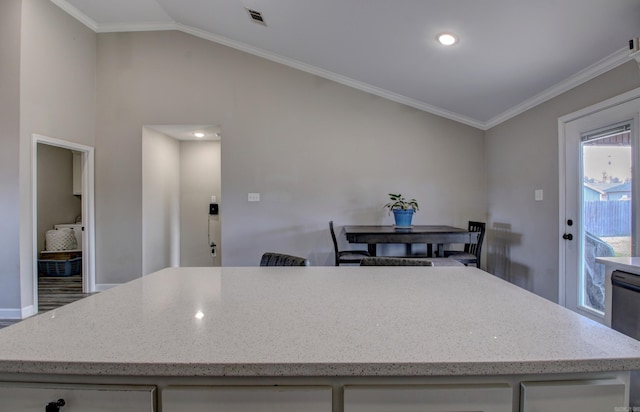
(510, 56)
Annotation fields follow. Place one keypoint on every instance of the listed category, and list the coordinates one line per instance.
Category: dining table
(438, 235)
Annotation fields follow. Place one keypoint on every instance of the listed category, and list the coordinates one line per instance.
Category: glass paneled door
(600, 157)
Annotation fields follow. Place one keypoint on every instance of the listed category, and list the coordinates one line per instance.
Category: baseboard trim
(8, 313)
(28, 311)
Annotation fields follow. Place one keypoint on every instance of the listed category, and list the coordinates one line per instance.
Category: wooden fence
(606, 218)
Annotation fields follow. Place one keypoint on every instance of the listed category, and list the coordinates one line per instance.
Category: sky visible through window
(615, 161)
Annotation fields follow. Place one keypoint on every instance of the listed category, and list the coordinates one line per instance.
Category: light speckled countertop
(630, 264)
(314, 321)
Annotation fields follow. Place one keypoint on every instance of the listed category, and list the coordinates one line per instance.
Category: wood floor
(7, 322)
(56, 291)
(53, 292)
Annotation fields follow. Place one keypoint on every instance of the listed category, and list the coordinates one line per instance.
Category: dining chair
(280, 259)
(393, 261)
(345, 256)
(472, 251)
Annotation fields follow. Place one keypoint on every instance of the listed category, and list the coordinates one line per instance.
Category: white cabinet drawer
(247, 398)
(33, 397)
(429, 398)
(584, 396)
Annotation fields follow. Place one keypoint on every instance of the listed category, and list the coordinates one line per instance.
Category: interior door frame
(562, 123)
(88, 211)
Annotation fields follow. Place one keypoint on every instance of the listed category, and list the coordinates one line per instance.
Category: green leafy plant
(399, 202)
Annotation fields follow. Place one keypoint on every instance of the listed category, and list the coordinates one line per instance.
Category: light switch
(538, 194)
(254, 197)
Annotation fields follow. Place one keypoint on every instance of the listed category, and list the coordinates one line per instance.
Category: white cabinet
(34, 397)
(584, 396)
(247, 399)
(77, 173)
(429, 398)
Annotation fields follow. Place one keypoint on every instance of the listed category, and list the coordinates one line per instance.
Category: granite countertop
(314, 321)
(631, 264)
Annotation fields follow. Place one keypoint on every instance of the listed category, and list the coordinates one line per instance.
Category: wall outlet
(538, 194)
(254, 197)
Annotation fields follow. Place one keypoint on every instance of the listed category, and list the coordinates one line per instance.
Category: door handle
(567, 236)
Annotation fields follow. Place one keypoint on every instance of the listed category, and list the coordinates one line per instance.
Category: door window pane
(606, 207)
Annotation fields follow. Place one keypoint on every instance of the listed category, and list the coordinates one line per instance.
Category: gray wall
(57, 99)
(56, 201)
(199, 180)
(178, 180)
(522, 155)
(315, 150)
(47, 70)
(161, 201)
(10, 18)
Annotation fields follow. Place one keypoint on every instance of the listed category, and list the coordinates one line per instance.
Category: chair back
(335, 243)
(280, 259)
(349, 256)
(393, 261)
(476, 248)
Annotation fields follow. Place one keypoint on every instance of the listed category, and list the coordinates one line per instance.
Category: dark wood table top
(439, 235)
(391, 229)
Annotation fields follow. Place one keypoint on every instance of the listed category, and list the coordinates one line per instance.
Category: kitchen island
(327, 338)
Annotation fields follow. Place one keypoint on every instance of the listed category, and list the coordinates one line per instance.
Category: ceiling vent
(256, 16)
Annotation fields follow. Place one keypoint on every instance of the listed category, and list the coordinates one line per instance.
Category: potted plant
(402, 209)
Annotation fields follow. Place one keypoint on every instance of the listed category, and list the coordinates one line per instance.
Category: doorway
(180, 180)
(80, 188)
(599, 157)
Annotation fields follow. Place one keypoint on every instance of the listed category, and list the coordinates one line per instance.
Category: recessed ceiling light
(199, 135)
(447, 39)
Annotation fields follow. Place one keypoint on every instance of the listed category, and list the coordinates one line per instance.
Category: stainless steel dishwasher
(625, 317)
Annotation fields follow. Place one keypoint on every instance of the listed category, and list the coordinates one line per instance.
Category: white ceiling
(186, 131)
(512, 54)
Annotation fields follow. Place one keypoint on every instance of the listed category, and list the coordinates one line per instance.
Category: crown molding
(598, 68)
(77, 14)
(129, 27)
(602, 66)
(115, 27)
(329, 75)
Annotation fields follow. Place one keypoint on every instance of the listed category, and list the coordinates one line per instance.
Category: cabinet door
(26, 397)
(584, 396)
(247, 399)
(429, 398)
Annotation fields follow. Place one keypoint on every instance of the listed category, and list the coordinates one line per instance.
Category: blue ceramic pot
(403, 217)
